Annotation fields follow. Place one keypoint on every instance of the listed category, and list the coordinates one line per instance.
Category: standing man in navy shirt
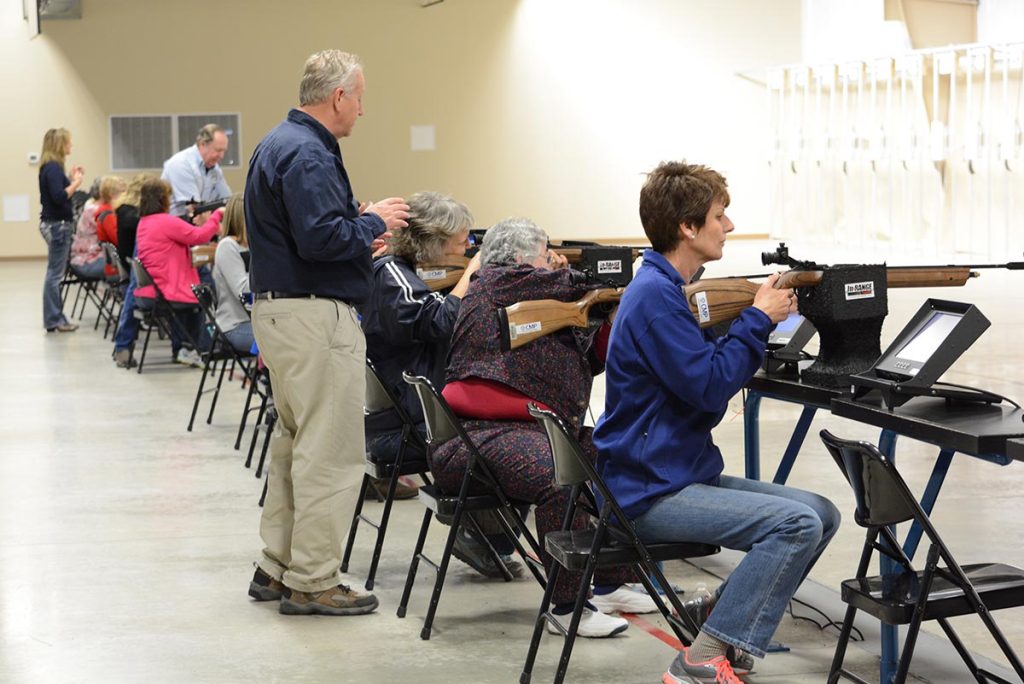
(311, 245)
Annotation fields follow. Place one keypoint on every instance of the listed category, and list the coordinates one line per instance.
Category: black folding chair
(612, 541)
(159, 314)
(113, 295)
(442, 425)
(380, 398)
(912, 596)
(221, 351)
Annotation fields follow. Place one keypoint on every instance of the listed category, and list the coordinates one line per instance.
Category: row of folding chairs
(941, 590)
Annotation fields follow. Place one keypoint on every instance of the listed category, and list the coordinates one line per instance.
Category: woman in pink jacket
(162, 245)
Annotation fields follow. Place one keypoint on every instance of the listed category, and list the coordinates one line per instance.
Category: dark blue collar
(301, 118)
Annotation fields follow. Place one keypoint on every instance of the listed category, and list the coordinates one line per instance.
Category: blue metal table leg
(795, 442)
(890, 633)
(931, 493)
(752, 435)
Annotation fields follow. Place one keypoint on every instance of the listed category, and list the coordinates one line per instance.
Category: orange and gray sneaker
(339, 600)
(263, 587)
(714, 671)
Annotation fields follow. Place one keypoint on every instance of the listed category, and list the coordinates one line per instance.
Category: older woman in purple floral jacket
(490, 389)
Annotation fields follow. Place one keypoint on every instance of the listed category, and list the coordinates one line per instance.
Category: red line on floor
(654, 631)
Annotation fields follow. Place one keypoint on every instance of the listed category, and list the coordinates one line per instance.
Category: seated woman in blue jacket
(668, 384)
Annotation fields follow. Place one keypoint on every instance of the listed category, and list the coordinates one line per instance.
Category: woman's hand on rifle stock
(775, 303)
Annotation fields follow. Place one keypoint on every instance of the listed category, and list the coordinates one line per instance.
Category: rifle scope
(779, 256)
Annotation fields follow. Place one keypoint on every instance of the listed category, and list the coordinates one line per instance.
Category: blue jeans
(58, 240)
(241, 337)
(127, 326)
(91, 270)
(783, 531)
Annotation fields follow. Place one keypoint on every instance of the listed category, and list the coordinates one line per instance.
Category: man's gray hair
(512, 241)
(324, 72)
(206, 133)
(433, 220)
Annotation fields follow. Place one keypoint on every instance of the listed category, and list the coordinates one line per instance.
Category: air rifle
(199, 208)
(608, 265)
(524, 322)
(847, 312)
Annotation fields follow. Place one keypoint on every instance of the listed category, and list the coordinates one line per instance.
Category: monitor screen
(787, 326)
(924, 343)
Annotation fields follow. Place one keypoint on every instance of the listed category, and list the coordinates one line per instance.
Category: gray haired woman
(408, 326)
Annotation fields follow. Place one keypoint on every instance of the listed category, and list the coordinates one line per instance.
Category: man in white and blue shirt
(195, 174)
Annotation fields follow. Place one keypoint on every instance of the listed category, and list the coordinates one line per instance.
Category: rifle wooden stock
(203, 254)
(524, 322)
(722, 299)
(443, 274)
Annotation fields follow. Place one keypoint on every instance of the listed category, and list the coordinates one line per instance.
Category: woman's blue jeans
(783, 531)
(58, 240)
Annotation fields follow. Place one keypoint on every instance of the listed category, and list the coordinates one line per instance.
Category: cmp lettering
(703, 310)
(433, 274)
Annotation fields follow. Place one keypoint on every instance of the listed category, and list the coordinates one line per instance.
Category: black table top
(789, 387)
(970, 428)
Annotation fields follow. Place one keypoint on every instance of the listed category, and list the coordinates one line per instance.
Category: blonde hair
(233, 223)
(55, 145)
(131, 195)
(110, 186)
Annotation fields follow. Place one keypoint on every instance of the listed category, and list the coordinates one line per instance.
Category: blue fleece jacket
(668, 383)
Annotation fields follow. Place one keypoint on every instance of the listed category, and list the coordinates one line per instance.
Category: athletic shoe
(624, 600)
(474, 553)
(189, 357)
(714, 671)
(593, 624)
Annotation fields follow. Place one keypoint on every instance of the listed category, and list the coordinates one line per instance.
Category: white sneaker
(624, 600)
(593, 624)
(189, 357)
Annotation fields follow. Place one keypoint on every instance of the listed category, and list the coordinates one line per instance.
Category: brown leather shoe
(63, 327)
(378, 489)
(263, 587)
(339, 600)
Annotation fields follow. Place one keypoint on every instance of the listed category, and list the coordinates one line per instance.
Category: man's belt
(272, 295)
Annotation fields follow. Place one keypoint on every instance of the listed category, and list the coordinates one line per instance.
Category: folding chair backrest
(142, 277)
(440, 420)
(565, 451)
(110, 254)
(207, 299)
(882, 495)
(378, 398)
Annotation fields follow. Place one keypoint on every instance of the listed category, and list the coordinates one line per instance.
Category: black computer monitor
(918, 342)
(785, 331)
(925, 349)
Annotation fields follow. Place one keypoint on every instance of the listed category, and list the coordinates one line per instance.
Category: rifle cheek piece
(847, 309)
(505, 329)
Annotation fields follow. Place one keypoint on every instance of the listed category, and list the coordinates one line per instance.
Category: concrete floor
(127, 543)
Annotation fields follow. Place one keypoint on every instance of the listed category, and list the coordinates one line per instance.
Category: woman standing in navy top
(55, 190)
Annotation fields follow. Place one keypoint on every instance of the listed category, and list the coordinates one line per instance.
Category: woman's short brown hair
(676, 193)
(154, 197)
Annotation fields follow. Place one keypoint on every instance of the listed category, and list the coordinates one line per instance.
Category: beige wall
(546, 108)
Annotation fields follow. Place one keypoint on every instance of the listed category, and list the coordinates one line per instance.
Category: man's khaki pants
(316, 353)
